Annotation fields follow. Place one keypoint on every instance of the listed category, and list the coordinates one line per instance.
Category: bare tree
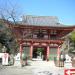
(9, 11)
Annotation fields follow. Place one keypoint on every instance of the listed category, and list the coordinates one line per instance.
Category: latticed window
(40, 34)
(53, 32)
(53, 37)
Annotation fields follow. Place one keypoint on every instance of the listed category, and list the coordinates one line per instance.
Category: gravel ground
(36, 68)
(48, 71)
(12, 70)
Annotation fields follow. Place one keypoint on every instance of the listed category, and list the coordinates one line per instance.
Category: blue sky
(63, 9)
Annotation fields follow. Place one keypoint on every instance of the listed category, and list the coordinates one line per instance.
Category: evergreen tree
(7, 39)
(72, 42)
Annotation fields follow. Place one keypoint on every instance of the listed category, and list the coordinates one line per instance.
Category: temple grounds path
(35, 68)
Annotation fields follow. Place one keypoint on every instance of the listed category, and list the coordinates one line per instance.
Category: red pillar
(31, 51)
(20, 48)
(48, 52)
(21, 53)
(58, 52)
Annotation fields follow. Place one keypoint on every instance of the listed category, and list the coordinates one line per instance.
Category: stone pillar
(48, 52)
(31, 51)
(19, 61)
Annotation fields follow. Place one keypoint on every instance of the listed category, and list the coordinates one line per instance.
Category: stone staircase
(43, 63)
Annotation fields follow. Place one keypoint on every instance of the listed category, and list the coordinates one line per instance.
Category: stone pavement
(12, 70)
(35, 68)
(46, 68)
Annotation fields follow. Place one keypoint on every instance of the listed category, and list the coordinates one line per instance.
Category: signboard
(69, 72)
(5, 59)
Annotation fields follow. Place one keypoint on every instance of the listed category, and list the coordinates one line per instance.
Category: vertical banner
(5, 59)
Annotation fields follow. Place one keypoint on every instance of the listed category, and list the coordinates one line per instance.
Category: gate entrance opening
(39, 53)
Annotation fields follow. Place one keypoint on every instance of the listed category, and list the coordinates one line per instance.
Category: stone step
(43, 63)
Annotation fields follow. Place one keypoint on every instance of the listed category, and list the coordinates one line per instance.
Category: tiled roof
(41, 21)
